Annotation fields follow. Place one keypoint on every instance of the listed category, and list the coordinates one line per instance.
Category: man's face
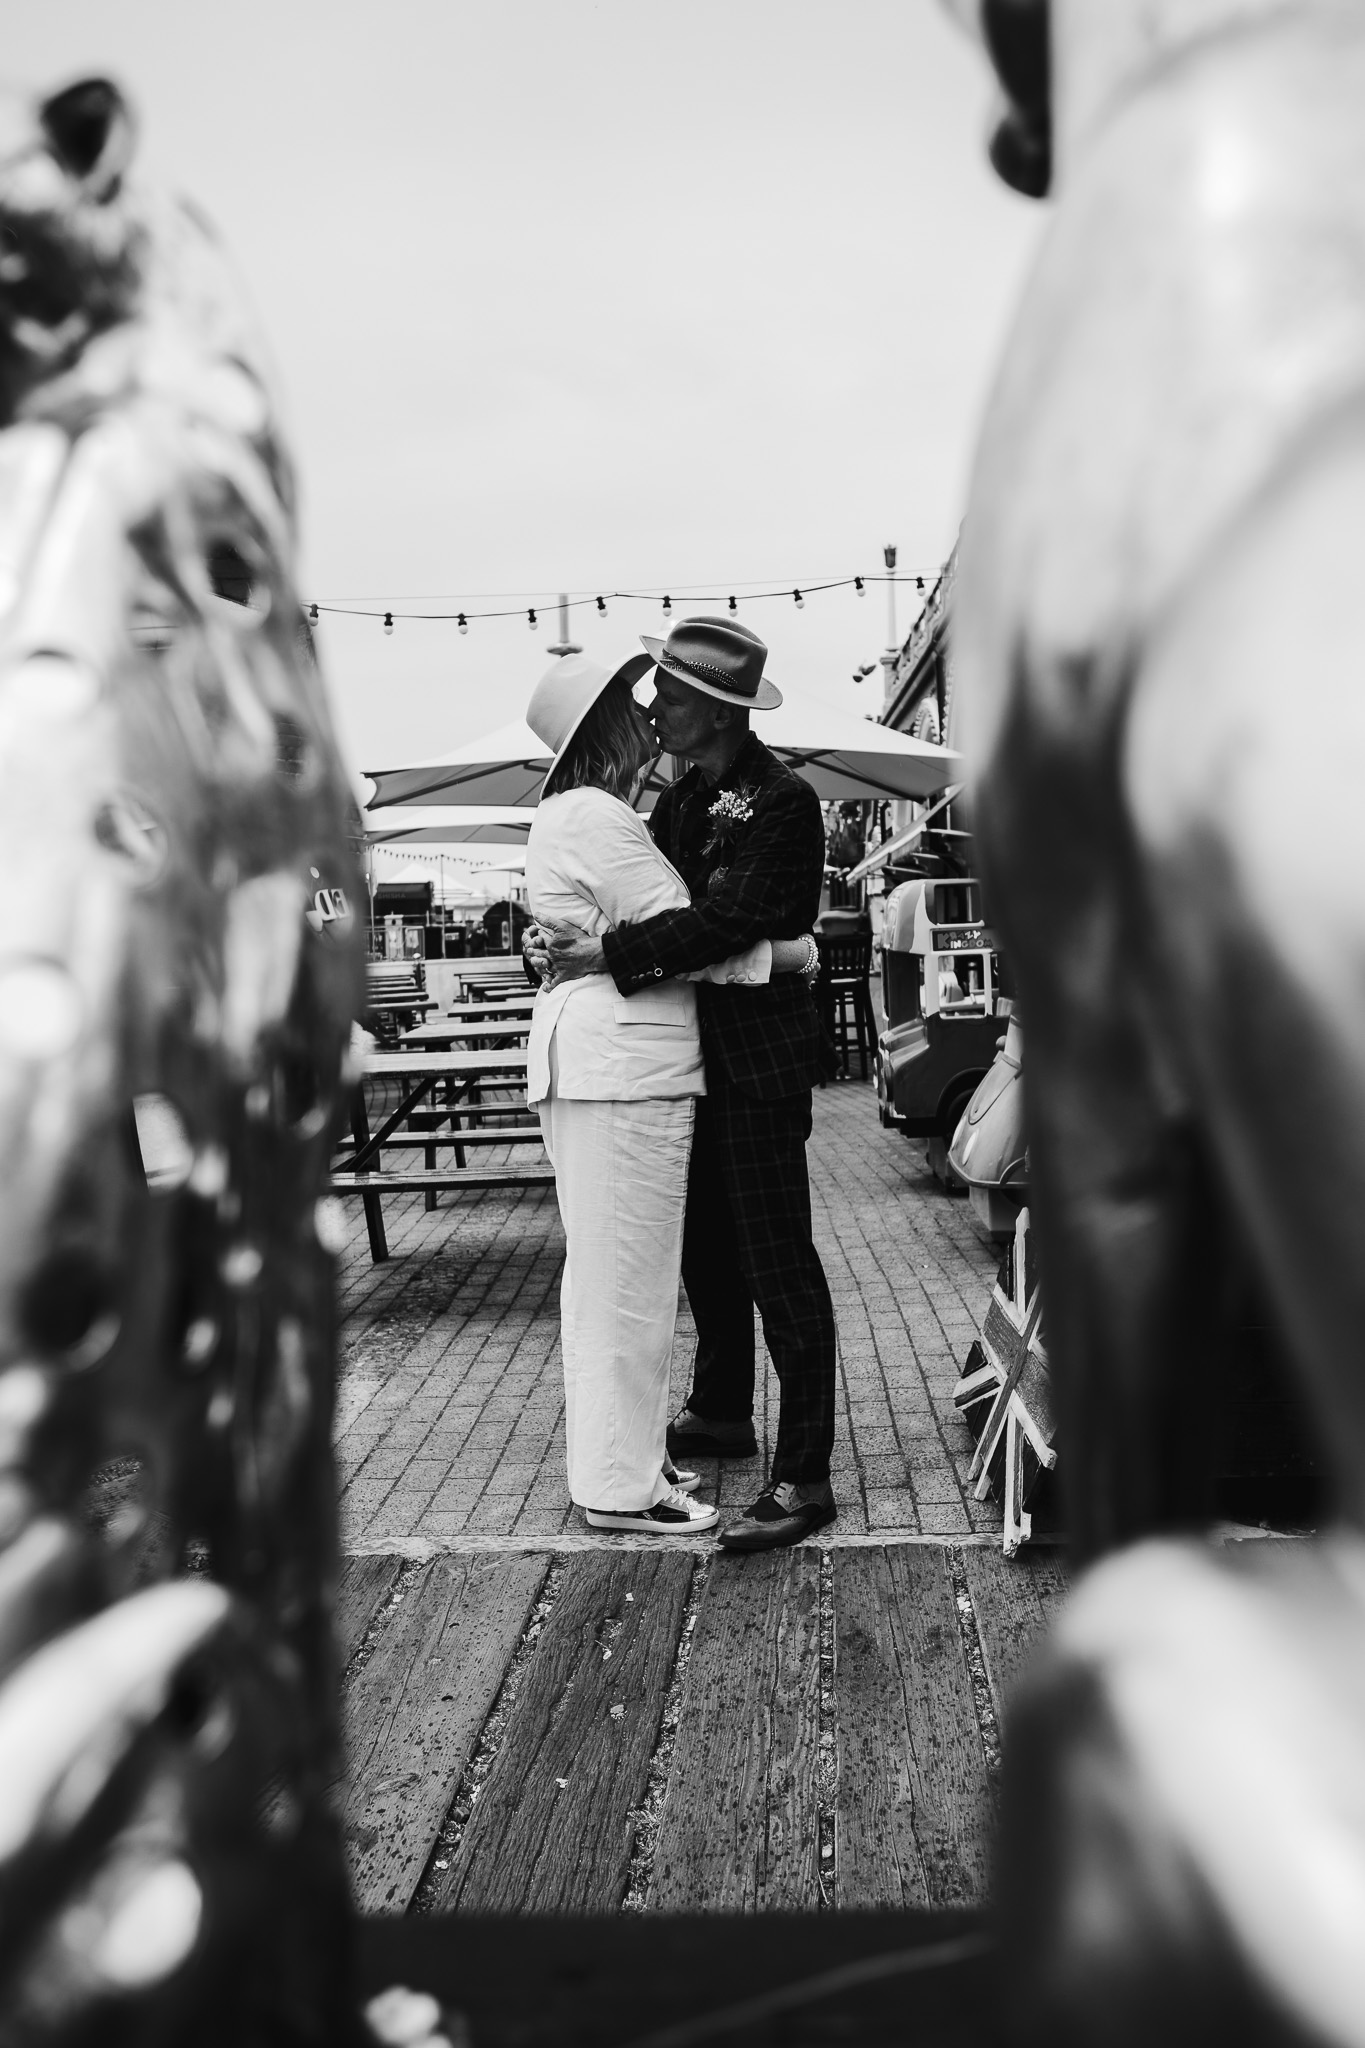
(684, 718)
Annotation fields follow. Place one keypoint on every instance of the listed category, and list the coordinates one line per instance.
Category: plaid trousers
(746, 1244)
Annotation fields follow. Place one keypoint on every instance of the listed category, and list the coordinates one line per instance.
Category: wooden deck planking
(1015, 1599)
(364, 1586)
(914, 1810)
(551, 1832)
(413, 1713)
(739, 1830)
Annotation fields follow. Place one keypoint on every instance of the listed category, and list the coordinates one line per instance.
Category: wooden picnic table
(509, 979)
(461, 1078)
(502, 1006)
(481, 1031)
(483, 991)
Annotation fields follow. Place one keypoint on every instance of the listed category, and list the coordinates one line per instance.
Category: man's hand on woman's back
(560, 952)
(534, 953)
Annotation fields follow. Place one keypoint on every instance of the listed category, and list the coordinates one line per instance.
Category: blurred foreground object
(1186, 1803)
(1157, 646)
(1160, 650)
(174, 1016)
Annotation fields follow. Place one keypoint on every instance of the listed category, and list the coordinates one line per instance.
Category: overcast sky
(596, 294)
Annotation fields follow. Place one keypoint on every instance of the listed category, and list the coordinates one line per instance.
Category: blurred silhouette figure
(175, 1013)
(1159, 648)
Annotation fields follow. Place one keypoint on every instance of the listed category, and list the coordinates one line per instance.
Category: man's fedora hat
(566, 694)
(721, 658)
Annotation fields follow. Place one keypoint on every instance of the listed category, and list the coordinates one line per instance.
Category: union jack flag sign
(1005, 1392)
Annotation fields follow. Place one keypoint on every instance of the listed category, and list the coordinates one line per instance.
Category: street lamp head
(889, 555)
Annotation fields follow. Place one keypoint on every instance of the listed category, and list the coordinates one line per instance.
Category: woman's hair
(609, 749)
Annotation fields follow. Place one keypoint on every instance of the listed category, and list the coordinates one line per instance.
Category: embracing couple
(673, 1049)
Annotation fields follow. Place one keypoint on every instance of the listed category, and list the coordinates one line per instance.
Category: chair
(844, 996)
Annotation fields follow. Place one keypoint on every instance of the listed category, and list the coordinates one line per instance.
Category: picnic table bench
(416, 1124)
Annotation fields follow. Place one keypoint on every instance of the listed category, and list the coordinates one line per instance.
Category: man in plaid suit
(747, 836)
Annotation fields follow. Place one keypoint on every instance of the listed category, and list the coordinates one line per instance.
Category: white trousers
(621, 1178)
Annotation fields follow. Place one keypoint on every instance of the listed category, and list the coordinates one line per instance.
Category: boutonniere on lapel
(729, 814)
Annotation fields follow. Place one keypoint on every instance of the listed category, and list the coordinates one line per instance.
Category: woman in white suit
(615, 1079)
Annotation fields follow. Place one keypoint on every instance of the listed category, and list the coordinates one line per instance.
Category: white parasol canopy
(841, 756)
(503, 768)
(474, 825)
(845, 758)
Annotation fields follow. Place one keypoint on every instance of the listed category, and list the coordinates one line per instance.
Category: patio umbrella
(846, 758)
(476, 825)
(503, 768)
(841, 756)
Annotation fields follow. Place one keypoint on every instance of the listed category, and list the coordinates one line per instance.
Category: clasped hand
(560, 952)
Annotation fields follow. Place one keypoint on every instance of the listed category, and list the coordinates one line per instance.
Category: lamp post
(892, 653)
(564, 645)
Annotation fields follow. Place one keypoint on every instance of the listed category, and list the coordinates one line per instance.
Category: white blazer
(591, 862)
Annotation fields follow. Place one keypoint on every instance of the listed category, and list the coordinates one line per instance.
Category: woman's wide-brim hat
(719, 657)
(566, 694)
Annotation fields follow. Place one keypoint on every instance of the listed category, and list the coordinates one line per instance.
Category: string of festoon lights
(464, 615)
(412, 856)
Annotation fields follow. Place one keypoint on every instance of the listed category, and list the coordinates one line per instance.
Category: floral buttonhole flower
(730, 812)
(732, 807)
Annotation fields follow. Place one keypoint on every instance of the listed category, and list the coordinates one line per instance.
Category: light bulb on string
(532, 621)
(919, 585)
(388, 622)
(800, 601)
(312, 615)
(463, 623)
(668, 607)
(858, 586)
(601, 607)
(733, 606)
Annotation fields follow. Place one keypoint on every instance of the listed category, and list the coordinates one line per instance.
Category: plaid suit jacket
(764, 1039)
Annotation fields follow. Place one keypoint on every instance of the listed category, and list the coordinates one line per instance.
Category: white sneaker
(675, 1515)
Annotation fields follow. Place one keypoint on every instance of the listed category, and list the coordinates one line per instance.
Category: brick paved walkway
(450, 1403)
